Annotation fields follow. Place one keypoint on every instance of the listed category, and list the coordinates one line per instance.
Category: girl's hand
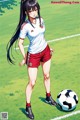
(23, 62)
(51, 50)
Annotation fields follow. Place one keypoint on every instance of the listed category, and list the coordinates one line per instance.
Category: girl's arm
(21, 47)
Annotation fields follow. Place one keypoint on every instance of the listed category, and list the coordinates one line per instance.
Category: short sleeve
(23, 31)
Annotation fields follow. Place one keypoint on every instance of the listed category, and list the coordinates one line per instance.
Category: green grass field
(60, 20)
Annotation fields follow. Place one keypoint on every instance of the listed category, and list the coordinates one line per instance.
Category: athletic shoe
(50, 100)
(29, 112)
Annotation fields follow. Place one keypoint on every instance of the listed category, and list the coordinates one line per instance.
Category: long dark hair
(25, 5)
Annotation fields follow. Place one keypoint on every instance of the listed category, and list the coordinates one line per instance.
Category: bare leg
(46, 73)
(32, 72)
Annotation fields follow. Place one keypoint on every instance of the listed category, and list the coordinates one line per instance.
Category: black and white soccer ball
(67, 100)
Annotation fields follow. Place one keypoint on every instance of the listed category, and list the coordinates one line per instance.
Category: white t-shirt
(35, 35)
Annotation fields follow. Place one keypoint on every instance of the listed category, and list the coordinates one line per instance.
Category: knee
(32, 83)
(46, 76)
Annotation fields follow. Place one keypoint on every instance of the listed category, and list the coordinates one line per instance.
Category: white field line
(58, 39)
(66, 116)
(62, 38)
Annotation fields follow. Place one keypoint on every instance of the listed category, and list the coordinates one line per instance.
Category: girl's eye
(32, 10)
(35, 9)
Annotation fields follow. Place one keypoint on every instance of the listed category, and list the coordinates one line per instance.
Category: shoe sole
(28, 116)
(50, 103)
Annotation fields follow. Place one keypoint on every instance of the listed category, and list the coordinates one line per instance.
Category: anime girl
(32, 25)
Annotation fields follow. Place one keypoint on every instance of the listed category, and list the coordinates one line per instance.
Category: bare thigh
(32, 73)
(46, 67)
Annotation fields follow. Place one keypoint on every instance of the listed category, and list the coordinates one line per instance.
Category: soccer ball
(67, 100)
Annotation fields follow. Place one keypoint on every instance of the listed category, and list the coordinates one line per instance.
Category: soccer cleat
(29, 113)
(50, 100)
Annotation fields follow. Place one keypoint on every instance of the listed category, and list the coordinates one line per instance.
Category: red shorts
(33, 60)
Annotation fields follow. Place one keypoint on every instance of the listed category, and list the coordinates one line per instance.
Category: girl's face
(33, 13)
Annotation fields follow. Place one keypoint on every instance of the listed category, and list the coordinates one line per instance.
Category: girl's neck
(32, 20)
